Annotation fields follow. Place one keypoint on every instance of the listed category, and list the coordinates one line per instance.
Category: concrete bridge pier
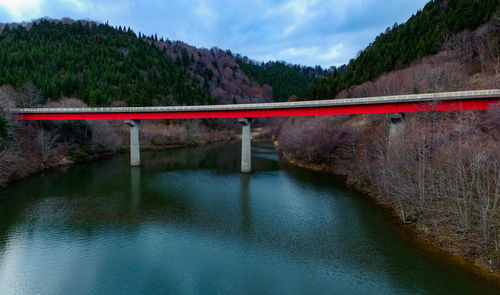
(246, 148)
(135, 156)
(396, 126)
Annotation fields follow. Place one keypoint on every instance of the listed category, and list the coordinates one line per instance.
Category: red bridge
(429, 102)
(445, 101)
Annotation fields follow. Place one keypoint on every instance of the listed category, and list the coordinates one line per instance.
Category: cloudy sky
(314, 32)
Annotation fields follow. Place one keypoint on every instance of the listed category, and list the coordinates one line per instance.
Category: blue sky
(315, 32)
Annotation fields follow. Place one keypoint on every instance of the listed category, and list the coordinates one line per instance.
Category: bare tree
(485, 172)
(6, 159)
(461, 42)
(46, 141)
(480, 47)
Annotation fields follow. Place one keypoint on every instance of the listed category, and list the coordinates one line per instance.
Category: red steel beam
(404, 107)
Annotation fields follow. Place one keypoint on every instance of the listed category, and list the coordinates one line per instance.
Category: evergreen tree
(401, 45)
(96, 63)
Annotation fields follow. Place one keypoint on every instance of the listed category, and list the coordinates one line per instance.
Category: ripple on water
(187, 222)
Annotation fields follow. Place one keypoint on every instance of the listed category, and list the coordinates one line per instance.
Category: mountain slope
(438, 171)
(218, 72)
(285, 79)
(96, 63)
(103, 65)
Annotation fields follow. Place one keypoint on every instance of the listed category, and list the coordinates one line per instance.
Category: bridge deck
(444, 101)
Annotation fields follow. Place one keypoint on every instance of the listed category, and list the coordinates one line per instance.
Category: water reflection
(135, 187)
(245, 204)
(189, 222)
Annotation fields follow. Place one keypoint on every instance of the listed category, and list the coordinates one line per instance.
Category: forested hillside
(285, 79)
(102, 65)
(68, 63)
(94, 62)
(400, 46)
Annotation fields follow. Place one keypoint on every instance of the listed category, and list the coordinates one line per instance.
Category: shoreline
(65, 161)
(420, 237)
(424, 240)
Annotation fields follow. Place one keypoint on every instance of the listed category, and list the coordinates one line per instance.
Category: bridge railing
(394, 99)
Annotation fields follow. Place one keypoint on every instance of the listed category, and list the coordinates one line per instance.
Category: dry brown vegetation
(439, 171)
(35, 146)
(227, 81)
(469, 60)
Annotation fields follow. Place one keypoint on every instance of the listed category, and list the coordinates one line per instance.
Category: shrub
(76, 153)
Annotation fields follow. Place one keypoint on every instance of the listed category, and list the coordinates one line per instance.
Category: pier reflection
(245, 204)
(135, 187)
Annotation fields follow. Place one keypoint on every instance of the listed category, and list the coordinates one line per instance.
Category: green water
(187, 222)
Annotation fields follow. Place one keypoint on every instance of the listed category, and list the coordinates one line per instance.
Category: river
(187, 222)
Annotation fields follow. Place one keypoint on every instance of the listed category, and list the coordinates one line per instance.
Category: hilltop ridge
(104, 65)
